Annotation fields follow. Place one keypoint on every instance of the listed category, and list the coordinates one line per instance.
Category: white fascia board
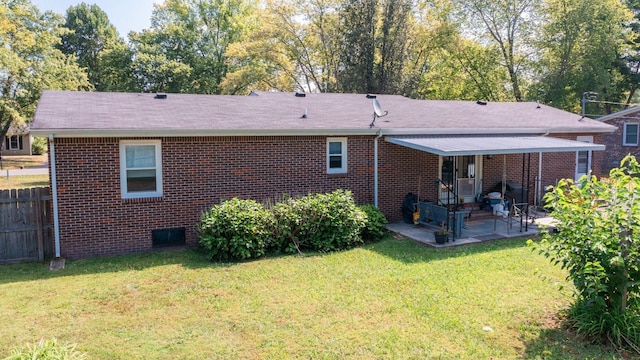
(495, 131)
(118, 133)
(90, 133)
(460, 146)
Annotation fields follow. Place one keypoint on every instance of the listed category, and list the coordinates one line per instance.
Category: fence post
(38, 200)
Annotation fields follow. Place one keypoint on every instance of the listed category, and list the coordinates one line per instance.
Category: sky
(125, 15)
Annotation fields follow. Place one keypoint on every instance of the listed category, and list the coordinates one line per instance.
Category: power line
(612, 102)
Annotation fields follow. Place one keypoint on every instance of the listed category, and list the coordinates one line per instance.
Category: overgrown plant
(375, 223)
(47, 350)
(243, 229)
(235, 229)
(319, 222)
(596, 239)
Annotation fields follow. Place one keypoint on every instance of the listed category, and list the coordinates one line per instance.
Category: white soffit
(492, 145)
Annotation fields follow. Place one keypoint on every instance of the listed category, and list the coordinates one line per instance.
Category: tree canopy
(90, 33)
(551, 51)
(30, 61)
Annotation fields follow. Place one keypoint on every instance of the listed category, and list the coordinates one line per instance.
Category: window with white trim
(140, 168)
(630, 134)
(336, 155)
(14, 142)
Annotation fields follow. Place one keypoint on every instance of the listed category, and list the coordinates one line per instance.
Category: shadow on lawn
(408, 251)
(404, 250)
(188, 258)
(560, 343)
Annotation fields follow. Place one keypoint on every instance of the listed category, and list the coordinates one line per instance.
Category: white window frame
(587, 139)
(342, 169)
(11, 147)
(624, 134)
(123, 169)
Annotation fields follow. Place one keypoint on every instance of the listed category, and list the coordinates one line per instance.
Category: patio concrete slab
(473, 232)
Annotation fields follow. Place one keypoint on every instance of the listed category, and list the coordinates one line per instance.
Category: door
(460, 181)
(583, 159)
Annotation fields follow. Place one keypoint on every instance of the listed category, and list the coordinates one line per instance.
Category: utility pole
(587, 96)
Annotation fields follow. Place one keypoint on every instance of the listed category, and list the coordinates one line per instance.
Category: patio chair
(519, 211)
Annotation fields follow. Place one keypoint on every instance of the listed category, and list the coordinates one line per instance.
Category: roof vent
(481, 102)
(160, 96)
(369, 96)
(300, 94)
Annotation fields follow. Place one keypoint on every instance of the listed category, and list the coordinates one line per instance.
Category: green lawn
(391, 300)
(23, 181)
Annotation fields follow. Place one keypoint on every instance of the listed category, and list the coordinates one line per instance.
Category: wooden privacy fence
(25, 225)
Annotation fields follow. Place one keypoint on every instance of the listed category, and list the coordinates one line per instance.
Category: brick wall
(615, 151)
(197, 173)
(200, 171)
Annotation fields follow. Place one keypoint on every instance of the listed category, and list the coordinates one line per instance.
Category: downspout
(375, 168)
(54, 194)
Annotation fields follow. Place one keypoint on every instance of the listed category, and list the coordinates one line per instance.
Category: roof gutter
(54, 194)
(120, 133)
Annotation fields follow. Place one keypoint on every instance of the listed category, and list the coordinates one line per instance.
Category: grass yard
(23, 161)
(394, 299)
(12, 162)
(23, 181)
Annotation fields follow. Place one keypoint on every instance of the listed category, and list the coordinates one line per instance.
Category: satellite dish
(377, 112)
(376, 108)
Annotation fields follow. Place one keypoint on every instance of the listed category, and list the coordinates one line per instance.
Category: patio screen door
(459, 175)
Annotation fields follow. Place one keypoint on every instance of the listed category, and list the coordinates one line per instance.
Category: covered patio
(522, 214)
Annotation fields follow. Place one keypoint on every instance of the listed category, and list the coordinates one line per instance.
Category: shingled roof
(71, 114)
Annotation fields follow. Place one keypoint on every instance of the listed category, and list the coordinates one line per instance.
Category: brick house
(17, 141)
(134, 171)
(624, 140)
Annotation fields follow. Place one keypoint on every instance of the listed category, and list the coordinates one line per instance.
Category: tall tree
(91, 33)
(583, 42)
(357, 57)
(632, 57)
(265, 60)
(511, 26)
(30, 61)
(393, 42)
(188, 41)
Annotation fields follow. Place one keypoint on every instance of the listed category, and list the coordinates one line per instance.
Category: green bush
(319, 222)
(236, 229)
(47, 350)
(39, 146)
(596, 241)
(375, 226)
(243, 229)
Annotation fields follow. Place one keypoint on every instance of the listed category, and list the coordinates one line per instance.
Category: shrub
(47, 350)
(596, 241)
(319, 222)
(39, 146)
(375, 226)
(235, 229)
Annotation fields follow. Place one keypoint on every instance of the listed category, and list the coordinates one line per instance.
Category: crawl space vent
(168, 237)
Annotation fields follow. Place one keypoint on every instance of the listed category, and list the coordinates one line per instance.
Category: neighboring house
(131, 172)
(17, 141)
(624, 140)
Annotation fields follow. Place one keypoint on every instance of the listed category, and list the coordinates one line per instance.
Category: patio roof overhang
(491, 145)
